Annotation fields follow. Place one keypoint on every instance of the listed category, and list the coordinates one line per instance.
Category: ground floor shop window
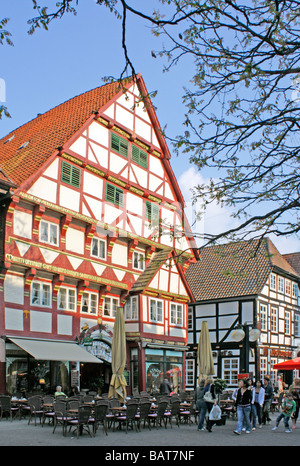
(31, 376)
(162, 364)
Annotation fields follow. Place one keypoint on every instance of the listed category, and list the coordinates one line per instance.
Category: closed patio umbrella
(205, 358)
(117, 388)
(288, 365)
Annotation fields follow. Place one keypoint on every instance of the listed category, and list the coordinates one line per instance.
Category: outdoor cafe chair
(60, 415)
(143, 414)
(173, 412)
(7, 408)
(35, 404)
(186, 413)
(88, 399)
(159, 416)
(82, 421)
(100, 412)
(129, 417)
(73, 406)
(48, 411)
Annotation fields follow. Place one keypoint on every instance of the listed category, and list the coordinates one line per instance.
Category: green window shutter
(70, 174)
(139, 156)
(119, 145)
(152, 212)
(114, 195)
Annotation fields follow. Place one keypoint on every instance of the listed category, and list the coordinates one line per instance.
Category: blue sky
(49, 67)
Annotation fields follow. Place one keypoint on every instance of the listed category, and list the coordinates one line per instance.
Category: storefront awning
(53, 350)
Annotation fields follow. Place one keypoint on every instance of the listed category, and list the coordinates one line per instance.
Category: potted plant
(220, 385)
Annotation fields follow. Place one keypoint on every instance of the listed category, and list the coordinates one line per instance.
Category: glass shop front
(161, 364)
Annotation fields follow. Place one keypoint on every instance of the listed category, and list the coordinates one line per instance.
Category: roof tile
(235, 269)
(49, 131)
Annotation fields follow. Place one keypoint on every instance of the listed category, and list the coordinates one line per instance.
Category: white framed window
(89, 302)
(263, 367)
(49, 233)
(280, 284)
(273, 281)
(177, 314)
(288, 287)
(131, 308)
(41, 294)
(295, 290)
(110, 306)
(98, 248)
(274, 319)
(263, 315)
(66, 299)
(231, 370)
(138, 261)
(287, 322)
(189, 372)
(156, 310)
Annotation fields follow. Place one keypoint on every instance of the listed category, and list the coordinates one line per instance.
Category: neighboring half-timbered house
(93, 218)
(251, 285)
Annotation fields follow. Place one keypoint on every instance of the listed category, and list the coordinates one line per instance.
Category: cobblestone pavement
(19, 433)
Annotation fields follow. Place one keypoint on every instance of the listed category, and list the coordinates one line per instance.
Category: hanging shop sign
(97, 341)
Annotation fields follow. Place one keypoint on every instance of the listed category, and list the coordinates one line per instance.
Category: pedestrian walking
(251, 387)
(295, 391)
(201, 404)
(243, 404)
(259, 398)
(287, 409)
(268, 400)
(210, 399)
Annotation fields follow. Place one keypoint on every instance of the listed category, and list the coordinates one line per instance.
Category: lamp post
(248, 332)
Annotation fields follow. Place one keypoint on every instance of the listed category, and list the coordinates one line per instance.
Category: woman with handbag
(210, 399)
(244, 400)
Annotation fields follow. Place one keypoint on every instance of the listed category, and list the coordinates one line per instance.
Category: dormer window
(25, 144)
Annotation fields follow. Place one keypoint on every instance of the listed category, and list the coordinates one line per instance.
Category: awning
(54, 350)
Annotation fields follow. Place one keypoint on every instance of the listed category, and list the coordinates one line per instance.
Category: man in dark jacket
(268, 400)
(165, 387)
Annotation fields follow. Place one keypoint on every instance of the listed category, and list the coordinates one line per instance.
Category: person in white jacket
(259, 398)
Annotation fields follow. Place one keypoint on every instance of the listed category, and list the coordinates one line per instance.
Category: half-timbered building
(247, 285)
(91, 218)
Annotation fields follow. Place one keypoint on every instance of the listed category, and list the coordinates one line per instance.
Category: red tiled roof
(47, 132)
(235, 269)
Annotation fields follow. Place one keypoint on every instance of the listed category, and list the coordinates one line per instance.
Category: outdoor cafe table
(20, 403)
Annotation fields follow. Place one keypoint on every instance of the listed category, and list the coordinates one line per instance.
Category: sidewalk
(19, 433)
